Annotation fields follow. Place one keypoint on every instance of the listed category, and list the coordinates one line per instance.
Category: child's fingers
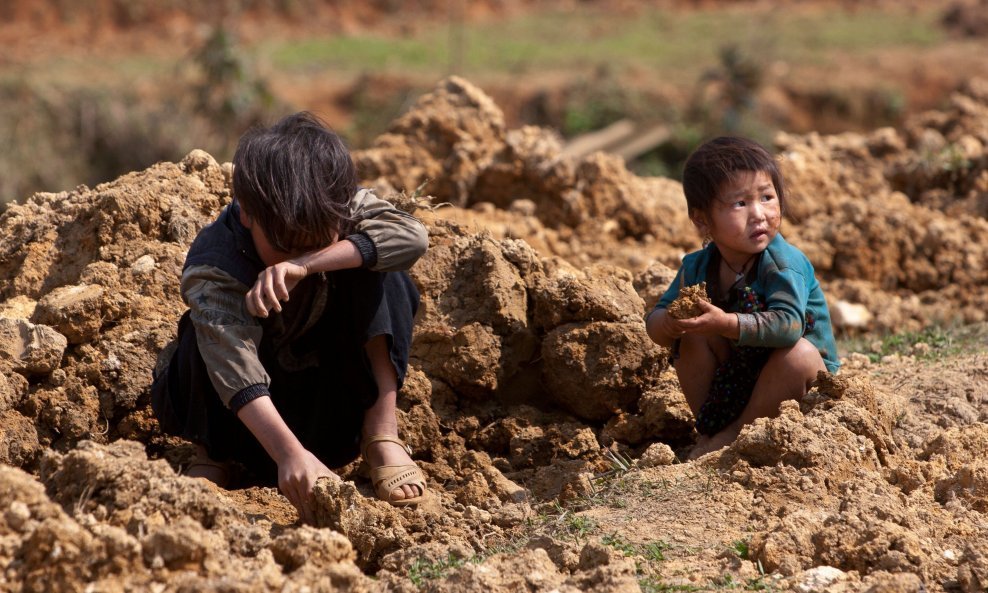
(280, 289)
(307, 502)
(293, 492)
(255, 304)
(305, 510)
(266, 285)
(271, 298)
(673, 326)
(676, 329)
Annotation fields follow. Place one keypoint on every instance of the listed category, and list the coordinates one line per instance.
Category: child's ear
(699, 220)
(244, 219)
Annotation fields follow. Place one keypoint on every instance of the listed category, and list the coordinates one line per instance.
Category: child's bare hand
(713, 321)
(272, 287)
(296, 477)
(671, 326)
(663, 328)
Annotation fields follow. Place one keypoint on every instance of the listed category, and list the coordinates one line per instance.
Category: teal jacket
(786, 283)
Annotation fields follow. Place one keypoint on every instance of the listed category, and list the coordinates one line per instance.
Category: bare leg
(699, 357)
(788, 374)
(380, 418)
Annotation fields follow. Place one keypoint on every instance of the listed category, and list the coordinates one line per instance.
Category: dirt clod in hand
(686, 305)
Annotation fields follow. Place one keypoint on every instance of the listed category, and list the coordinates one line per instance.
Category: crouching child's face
(744, 217)
(294, 182)
(268, 253)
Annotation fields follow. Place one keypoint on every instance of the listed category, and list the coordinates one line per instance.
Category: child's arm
(389, 239)
(298, 469)
(385, 239)
(661, 327)
(226, 333)
(783, 322)
(276, 282)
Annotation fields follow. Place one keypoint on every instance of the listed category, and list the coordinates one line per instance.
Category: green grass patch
(619, 543)
(657, 585)
(355, 54)
(727, 582)
(929, 344)
(740, 547)
(422, 570)
(655, 551)
(673, 45)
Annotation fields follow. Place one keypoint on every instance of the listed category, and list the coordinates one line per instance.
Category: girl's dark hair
(722, 160)
(295, 179)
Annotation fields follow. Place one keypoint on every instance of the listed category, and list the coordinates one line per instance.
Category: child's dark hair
(722, 160)
(295, 179)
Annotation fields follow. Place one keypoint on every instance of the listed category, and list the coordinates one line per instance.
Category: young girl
(766, 332)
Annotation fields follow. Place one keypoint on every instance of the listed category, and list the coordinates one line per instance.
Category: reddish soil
(532, 382)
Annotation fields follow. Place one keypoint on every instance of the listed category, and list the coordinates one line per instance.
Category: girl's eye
(739, 204)
(768, 198)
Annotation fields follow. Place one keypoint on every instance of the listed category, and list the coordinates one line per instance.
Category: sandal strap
(379, 438)
(218, 465)
(388, 478)
(228, 472)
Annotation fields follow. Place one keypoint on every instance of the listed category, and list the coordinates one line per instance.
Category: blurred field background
(92, 89)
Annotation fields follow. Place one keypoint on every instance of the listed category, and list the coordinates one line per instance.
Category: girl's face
(744, 217)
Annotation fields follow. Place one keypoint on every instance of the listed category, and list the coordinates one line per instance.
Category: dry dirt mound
(894, 221)
(839, 487)
(453, 143)
(527, 366)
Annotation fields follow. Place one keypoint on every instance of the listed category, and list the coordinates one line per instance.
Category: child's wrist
(302, 262)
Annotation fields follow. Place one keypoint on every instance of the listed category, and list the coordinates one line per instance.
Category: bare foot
(707, 444)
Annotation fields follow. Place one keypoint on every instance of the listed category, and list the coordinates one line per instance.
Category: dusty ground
(549, 426)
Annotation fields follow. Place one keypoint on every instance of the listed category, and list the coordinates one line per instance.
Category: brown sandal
(223, 480)
(388, 478)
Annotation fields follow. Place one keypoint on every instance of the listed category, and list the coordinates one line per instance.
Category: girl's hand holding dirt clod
(671, 326)
(273, 285)
(712, 321)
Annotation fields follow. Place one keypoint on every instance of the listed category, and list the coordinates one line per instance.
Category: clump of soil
(532, 389)
(686, 305)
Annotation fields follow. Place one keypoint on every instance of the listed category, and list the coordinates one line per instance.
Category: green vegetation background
(75, 120)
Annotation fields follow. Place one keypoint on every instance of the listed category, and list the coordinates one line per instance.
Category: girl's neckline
(723, 298)
(738, 274)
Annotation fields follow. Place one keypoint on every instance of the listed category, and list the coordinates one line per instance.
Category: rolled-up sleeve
(388, 239)
(782, 323)
(228, 336)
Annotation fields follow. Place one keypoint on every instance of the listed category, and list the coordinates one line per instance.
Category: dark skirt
(731, 388)
(324, 405)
